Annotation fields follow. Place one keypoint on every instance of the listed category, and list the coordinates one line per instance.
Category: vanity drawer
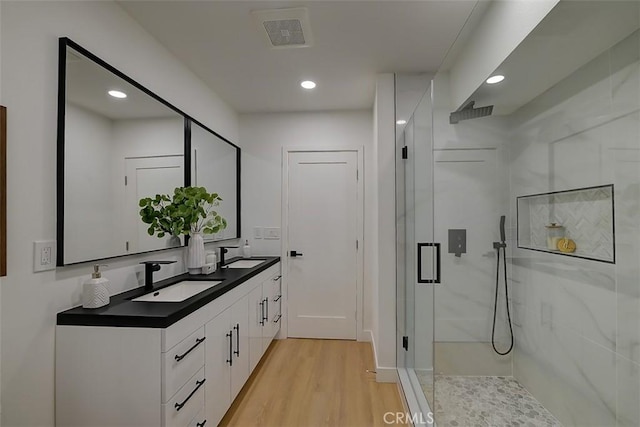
(199, 420)
(181, 409)
(181, 362)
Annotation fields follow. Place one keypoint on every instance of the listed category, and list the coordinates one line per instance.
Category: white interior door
(146, 177)
(322, 227)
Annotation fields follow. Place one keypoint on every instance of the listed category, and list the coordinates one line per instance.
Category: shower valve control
(458, 242)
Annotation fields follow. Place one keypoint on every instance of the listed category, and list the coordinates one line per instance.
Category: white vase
(195, 253)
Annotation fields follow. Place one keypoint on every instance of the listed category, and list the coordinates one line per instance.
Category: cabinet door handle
(237, 328)
(275, 279)
(262, 312)
(277, 319)
(276, 299)
(266, 304)
(179, 406)
(201, 424)
(199, 341)
(230, 359)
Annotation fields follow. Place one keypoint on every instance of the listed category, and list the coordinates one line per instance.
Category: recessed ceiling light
(401, 122)
(117, 94)
(495, 79)
(308, 84)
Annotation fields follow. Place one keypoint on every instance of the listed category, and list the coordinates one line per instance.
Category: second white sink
(246, 263)
(178, 292)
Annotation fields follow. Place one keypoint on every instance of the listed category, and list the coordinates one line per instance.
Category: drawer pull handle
(276, 299)
(199, 341)
(277, 319)
(179, 406)
(201, 424)
(237, 350)
(275, 279)
(230, 359)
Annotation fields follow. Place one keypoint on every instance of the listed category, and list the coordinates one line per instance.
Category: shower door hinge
(405, 342)
(405, 152)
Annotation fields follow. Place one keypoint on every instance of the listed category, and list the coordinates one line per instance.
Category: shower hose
(502, 245)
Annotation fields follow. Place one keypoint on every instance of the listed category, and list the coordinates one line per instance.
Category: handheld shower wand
(497, 246)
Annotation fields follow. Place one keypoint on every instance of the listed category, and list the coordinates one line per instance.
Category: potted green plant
(189, 211)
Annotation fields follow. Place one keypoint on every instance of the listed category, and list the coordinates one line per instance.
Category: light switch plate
(44, 255)
(272, 233)
(257, 232)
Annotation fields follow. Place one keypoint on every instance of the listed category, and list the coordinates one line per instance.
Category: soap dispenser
(94, 291)
(246, 250)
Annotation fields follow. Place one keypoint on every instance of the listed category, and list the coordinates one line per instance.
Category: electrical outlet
(257, 232)
(44, 255)
(272, 233)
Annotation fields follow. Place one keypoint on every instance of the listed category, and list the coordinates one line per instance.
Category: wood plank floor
(304, 382)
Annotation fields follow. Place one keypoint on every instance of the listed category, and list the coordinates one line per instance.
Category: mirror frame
(63, 44)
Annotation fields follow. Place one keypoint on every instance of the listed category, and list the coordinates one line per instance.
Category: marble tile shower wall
(577, 322)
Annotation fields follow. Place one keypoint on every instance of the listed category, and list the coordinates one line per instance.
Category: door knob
(295, 254)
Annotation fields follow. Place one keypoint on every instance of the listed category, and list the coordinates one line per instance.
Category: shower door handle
(437, 266)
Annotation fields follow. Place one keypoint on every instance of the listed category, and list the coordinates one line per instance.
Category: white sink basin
(178, 292)
(246, 263)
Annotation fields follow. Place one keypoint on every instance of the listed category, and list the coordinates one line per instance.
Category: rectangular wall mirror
(216, 166)
(115, 148)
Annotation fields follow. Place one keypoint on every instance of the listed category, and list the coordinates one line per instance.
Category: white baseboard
(383, 374)
(386, 375)
(367, 336)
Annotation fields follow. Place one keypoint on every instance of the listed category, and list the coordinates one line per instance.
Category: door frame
(284, 256)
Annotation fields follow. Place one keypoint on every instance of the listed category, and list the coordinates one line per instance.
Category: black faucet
(149, 268)
(224, 250)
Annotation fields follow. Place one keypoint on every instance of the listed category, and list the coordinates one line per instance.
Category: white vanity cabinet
(264, 316)
(186, 375)
(227, 358)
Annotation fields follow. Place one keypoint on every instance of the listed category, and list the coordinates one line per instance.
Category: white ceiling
(572, 34)
(353, 41)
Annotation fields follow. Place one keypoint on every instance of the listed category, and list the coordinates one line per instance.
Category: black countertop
(138, 314)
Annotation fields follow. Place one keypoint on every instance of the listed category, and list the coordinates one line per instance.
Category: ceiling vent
(284, 28)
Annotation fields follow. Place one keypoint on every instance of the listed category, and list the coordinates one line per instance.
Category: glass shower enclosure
(559, 159)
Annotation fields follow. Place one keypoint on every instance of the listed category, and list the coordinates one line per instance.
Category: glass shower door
(417, 253)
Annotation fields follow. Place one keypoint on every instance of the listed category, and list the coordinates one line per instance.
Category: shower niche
(577, 223)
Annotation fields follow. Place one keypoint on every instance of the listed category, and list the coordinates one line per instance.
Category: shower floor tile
(488, 402)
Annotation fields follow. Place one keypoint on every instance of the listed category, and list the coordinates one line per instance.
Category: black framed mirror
(119, 142)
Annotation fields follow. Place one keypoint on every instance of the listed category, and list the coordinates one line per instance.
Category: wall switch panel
(257, 232)
(44, 255)
(272, 233)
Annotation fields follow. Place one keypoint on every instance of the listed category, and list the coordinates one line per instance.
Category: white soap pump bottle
(246, 250)
(94, 291)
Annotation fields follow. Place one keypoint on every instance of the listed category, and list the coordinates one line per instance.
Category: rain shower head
(467, 112)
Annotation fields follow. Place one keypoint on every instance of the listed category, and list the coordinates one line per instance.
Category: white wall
(29, 43)
(502, 27)
(264, 135)
(384, 321)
